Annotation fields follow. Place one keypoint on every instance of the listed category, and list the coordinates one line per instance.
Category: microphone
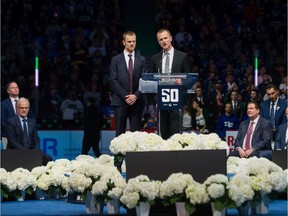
(160, 63)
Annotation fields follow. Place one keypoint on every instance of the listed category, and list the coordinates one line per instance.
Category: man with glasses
(21, 131)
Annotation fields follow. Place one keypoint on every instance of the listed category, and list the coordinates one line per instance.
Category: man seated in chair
(254, 134)
(21, 131)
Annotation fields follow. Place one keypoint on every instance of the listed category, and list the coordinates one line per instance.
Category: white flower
(140, 188)
(244, 183)
(24, 178)
(7, 181)
(79, 182)
(196, 193)
(110, 185)
(235, 194)
(175, 184)
(216, 185)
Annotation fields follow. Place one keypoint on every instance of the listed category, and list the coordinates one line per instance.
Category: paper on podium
(148, 86)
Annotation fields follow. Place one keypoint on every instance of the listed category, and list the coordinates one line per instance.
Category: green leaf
(190, 208)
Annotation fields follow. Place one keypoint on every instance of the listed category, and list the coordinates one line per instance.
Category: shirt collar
(256, 120)
(127, 53)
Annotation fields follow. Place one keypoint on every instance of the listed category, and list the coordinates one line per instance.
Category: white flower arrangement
(244, 182)
(110, 185)
(26, 181)
(140, 189)
(265, 175)
(216, 187)
(173, 189)
(79, 182)
(143, 141)
(7, 182)
(196, 194)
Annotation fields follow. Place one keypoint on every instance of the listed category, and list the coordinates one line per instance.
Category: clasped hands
(130, 99)
(245, 153)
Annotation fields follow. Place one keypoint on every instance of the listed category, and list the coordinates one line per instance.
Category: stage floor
(60, 207)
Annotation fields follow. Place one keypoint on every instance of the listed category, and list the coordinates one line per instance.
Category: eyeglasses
(22, 108)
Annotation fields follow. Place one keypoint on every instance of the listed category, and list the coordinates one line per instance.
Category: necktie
(167, 63)
(15, 110)
(272, 114)
(248, 137)
(130, 68)
(25, 130)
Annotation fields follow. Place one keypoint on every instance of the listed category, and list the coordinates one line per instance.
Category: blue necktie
(272, 114)
(25, 130)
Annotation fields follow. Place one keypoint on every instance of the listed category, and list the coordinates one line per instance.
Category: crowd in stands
(75, 41)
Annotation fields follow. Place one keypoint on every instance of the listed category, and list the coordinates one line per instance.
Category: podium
(169, 95)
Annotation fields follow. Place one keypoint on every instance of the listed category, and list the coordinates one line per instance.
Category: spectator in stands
(229, 82)
(72, 109)
(187, 119)
(278, 75)
(200, 118)
(254, 134)
(93, 121)
(226, 122)
(216, 105)
(255, 96)
(22, 131)
(237, 108)
(262, 87)
(283, 88)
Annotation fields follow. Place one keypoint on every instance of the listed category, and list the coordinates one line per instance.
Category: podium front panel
(161, 164)
(170, 97)
(12, 159)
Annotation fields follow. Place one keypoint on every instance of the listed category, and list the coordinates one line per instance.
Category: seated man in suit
(281, 137)
(254, 134)
(21, 131)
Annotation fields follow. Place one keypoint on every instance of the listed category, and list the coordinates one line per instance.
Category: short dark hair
(257, 105)
(130, 33)
(270, 86)
(9, 83)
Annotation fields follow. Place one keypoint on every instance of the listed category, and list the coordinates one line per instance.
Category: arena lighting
(256, 67)
(36, 71)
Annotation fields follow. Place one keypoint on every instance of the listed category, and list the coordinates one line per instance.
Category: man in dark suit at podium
(169, 60)
(21, 131)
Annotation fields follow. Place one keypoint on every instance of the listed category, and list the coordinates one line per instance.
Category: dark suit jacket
(280, 116)
(262, 136)
(280, 138)
(7, 111)
(120, 81)
(180, 63)
(14, 133)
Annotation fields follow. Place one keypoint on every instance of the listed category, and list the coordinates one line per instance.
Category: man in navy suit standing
(273, 109)
(254, 134)
(126, 70)
(21, 131)
(169, 60)
(8, 106)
